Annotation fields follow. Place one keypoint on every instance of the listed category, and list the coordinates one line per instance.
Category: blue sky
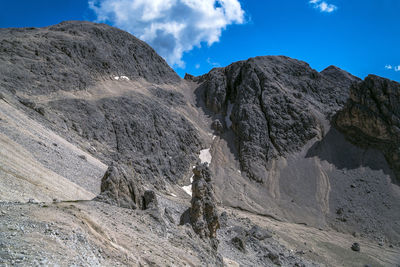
(361, 37)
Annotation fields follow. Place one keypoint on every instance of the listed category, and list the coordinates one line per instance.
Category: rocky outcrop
(371, 117)
(217, 126)
(278, 104)
(203, 213)
(122, 188)
(72, 55)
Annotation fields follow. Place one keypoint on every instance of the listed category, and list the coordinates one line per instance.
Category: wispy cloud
(390, 67)
(171, 27)
(213, 64)
(323, 6)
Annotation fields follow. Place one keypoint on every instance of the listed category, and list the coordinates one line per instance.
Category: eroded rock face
(203, 212)
(371, 117)
(278, 103)
(157, 142)
(120, 187)
(74, 54)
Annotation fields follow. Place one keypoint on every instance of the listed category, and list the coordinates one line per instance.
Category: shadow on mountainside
(335, 149)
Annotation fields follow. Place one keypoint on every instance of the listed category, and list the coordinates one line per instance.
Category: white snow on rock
(205, 156)
(228, 121)
(121, 78)
(188, 188)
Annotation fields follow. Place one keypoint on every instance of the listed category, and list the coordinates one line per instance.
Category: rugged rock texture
(122, 188)
(64, 116)
(150, 200)
(217, 126)
(135, 129)
(371, 117)
(72, 55)
(278, 103)
(64, 76)
(203, 212)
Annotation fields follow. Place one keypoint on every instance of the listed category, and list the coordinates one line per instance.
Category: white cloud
(323, 6)
(171, 27)
(390, 67)
(214, 64)
(197, 66)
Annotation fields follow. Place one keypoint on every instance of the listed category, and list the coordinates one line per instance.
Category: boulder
(259, 233)
(120, 187)
(217, 126)
(355, 247)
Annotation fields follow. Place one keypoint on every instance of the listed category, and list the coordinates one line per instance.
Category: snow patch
(228, 121)
(121, 78)
(205, 156)
(188, 188)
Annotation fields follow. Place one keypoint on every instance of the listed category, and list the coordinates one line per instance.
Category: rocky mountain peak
(273, 103)
(73, 55)
(338, 75)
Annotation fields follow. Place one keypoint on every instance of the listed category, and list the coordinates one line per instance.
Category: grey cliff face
(277, 103)
(371, 117)
(73, 55)
(136, 130)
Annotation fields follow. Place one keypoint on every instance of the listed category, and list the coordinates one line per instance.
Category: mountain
(281, 116)
(101, 141)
